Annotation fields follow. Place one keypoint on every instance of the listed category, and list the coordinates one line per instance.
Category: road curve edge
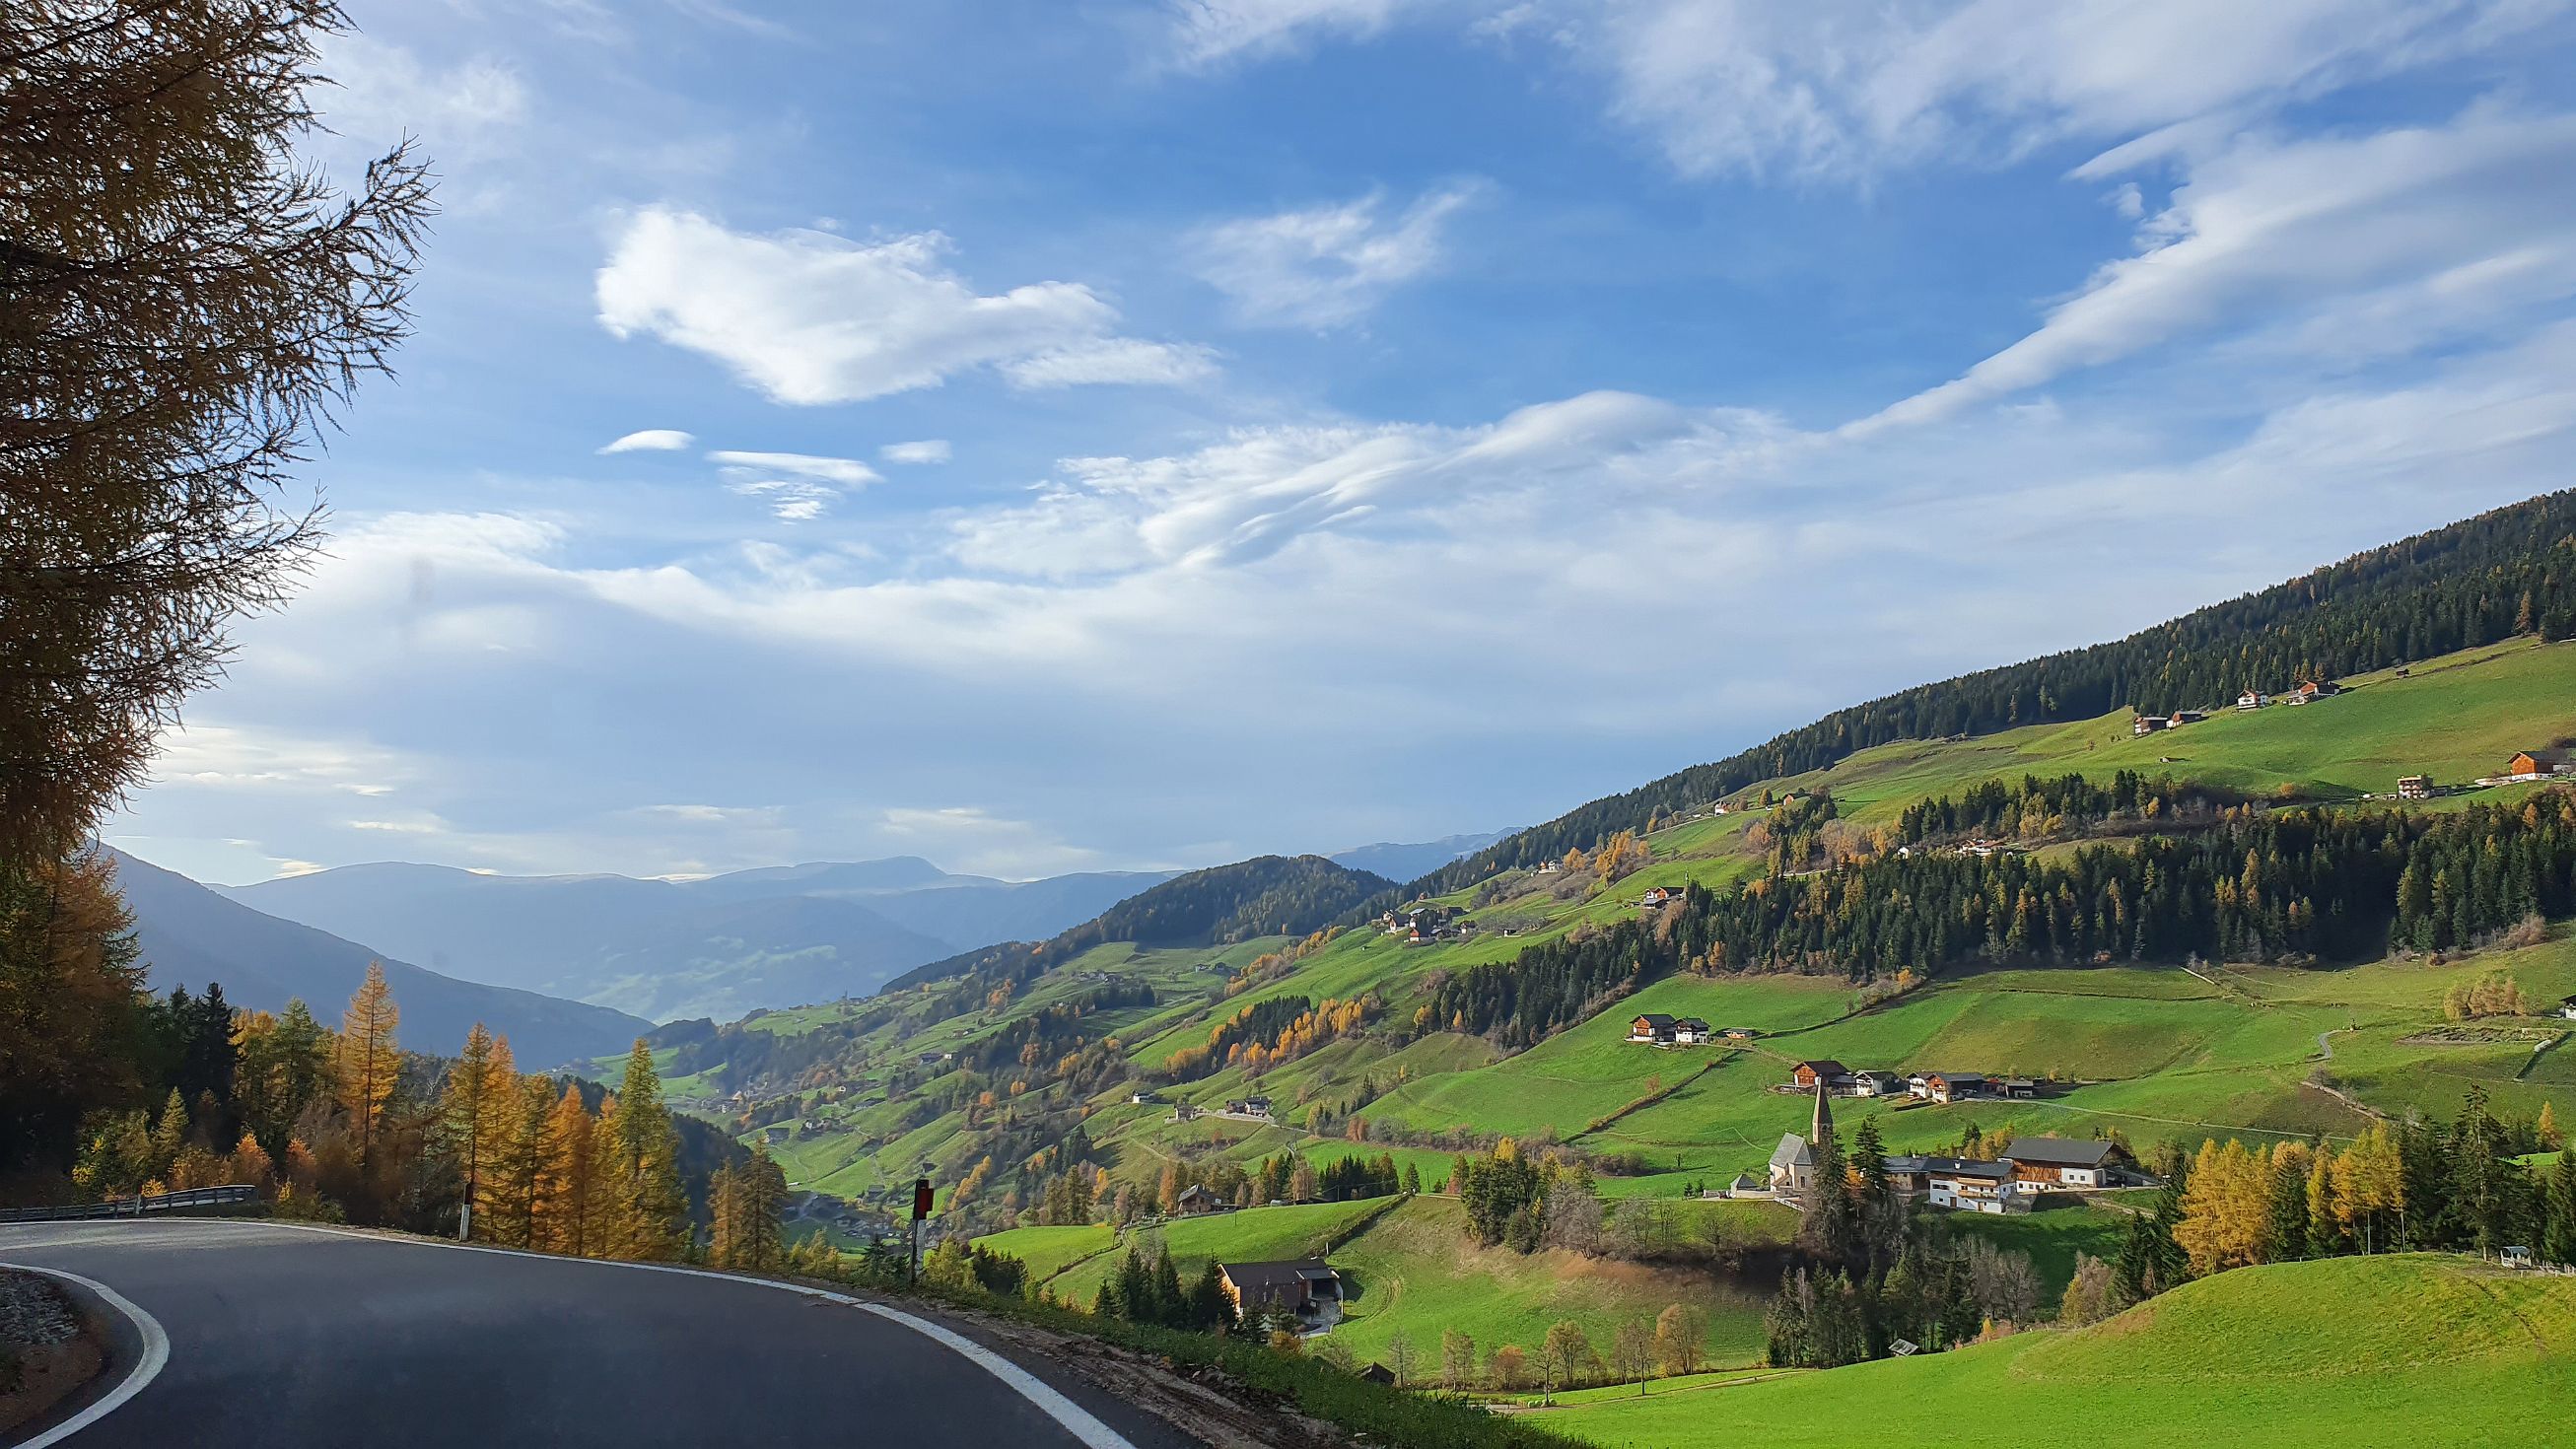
(146, 1367)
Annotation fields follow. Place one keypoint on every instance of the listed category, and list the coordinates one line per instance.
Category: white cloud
(811, 318)
(2440, 220)
(1208, 31)
(1326, 265)
(383, 92)
(650, 440)
(926, 450)
(1845, 88)
(811, 486)
(848, 472)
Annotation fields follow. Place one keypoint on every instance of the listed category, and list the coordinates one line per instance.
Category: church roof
(1793, 1151)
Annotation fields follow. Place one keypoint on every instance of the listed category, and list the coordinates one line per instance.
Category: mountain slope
(191, 935)
(2505, 572)
(1270, 895)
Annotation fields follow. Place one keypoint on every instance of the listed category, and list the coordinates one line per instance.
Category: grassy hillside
(2425, 1351)
(2150, 1049)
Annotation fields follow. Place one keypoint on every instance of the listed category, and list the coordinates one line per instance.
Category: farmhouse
(2045, 1162)
(1661, 1030)
(1196, 1200)
(1300, 1287)
(1975, 1187)
(1738, 1033)
(2147, 724)
(1659, 896)
(1185, 1112)
(1877, 1084)
(1258, 1107)
(2414, 787)
(2252, 699)
(1829, 1074)
(1143, 1097)
(1947, 1086)
(2183, 717)
(2532, 764)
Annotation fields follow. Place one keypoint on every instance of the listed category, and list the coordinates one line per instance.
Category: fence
(132, 1207)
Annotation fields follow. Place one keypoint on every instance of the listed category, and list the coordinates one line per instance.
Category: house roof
(1793, 1151)
(1967, 1167)
(2059, 1151)
(1905, 1164)
(1826, 1067)
(1693, 1022)
(1743, 1180)
(1282, 1274)
(1655, 1018)
(2549, 757)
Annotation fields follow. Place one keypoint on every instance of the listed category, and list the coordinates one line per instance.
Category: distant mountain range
(192, 935)
(716, 947)
(723, 945)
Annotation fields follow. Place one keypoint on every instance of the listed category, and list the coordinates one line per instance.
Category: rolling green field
(1417, 1273)
(2426, 1351)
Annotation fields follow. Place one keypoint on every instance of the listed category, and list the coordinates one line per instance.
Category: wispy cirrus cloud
(1326, 266)
(811, 318)
(649, 440)
(925, 450)
(2353, 244)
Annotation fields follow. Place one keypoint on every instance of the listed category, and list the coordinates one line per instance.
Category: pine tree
(567, 1183)
(169, 1135)
(466, 1107)
(643, 1164)
(518, 1161)
(366, 1059)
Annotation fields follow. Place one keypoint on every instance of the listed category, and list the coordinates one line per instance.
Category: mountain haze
(717, 946)
(192, 935)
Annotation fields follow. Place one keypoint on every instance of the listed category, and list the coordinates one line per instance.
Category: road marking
(1076, 1420)
(156, 1352)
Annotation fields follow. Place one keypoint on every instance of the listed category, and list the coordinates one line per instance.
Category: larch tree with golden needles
(644, 1167)
(466, 1106)
(500, 1114)
(566, 1181)
(365, 1061)
(184, 302)
(521, 1161)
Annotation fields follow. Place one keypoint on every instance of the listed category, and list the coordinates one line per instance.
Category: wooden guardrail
(132, 1207)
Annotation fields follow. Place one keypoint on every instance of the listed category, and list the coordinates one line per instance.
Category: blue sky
(1051, 436)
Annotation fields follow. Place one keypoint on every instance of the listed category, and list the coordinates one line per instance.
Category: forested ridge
(2329, 884)
(1268, 895)
(2506, 572)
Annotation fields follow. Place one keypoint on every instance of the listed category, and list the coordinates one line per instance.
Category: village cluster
(1425, 922)
(2011, 1183)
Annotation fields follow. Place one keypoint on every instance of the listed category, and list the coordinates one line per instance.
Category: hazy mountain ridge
(721, 945)
(192, 935)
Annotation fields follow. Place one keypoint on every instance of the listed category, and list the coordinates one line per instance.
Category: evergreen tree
(466, 1107)
(366, 1059)
(567, 1185)
(652, 1214)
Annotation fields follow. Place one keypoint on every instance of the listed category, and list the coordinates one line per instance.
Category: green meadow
(2428, 1352)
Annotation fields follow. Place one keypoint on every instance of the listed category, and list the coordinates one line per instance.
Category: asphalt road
(279, 1337)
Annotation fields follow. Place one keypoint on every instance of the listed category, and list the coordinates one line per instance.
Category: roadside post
(920, 1210)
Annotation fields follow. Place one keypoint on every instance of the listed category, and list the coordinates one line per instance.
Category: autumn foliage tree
(182, 304)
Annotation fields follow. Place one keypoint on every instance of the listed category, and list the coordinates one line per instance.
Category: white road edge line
(156, 1352)
(1076, 1420)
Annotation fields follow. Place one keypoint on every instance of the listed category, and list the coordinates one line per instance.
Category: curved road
(280, 1336)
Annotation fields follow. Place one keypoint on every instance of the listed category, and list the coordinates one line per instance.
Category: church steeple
(1824, 1124)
